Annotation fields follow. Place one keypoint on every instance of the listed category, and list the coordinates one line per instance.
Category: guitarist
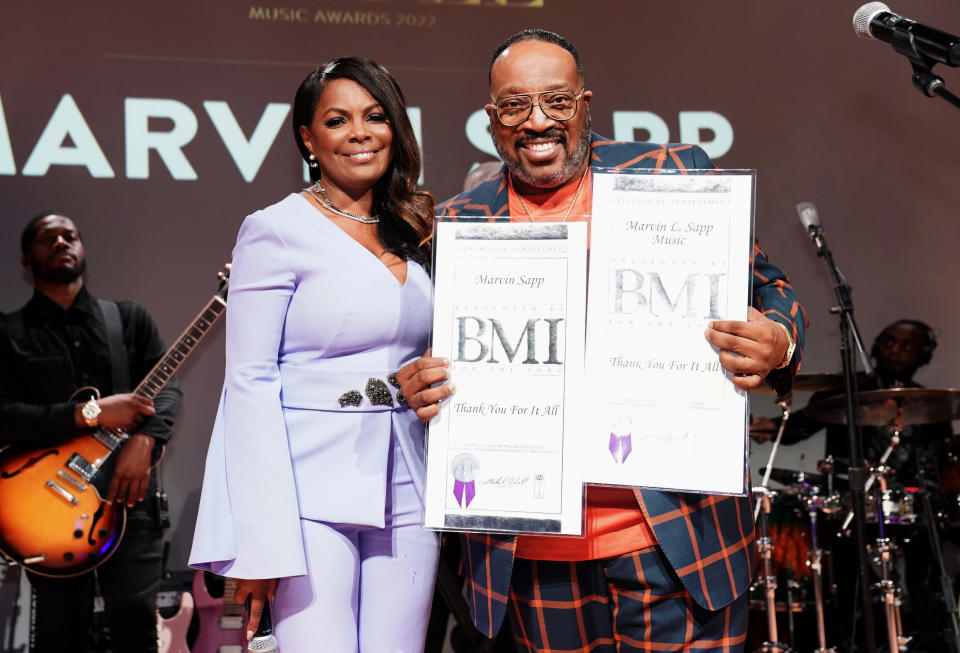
(55, 344)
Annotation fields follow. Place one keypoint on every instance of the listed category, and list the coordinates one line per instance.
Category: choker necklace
(576, 194)
(321, 194)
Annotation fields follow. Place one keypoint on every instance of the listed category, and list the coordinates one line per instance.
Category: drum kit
(789, 545)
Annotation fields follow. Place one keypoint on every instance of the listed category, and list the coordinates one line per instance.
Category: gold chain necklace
(576, 194)
(321, 194)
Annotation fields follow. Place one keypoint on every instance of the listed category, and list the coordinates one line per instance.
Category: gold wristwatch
(91, 412)
(788, 355)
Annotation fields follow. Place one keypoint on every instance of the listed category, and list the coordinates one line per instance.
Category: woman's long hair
(406, 214)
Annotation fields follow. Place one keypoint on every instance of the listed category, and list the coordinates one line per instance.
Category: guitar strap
(121, 383)
(119, 368)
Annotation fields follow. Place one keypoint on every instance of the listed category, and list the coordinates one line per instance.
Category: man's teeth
(541, 147)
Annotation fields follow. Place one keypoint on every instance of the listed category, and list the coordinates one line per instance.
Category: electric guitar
(53, 520)
(222, 620)
(172, 632)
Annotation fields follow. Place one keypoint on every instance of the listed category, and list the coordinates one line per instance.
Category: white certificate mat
(669, 254)
(509, 313)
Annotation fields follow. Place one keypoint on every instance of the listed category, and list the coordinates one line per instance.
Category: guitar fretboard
(160, 375)
(230, 606)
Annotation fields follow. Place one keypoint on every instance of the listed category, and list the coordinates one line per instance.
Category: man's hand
(124, 411)
(258, 590)
(750, 349)
(129, 481)
(415, 379)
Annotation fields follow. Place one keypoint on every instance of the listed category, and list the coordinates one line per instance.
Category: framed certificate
(670, 253)
(509, 313)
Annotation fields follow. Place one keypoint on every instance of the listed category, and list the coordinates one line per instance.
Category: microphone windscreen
(808, 215)
(863, 16)
(263, 644)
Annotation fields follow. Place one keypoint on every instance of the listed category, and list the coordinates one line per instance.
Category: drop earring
(313, 162)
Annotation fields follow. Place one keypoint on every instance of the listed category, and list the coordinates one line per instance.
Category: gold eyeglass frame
(539, 95)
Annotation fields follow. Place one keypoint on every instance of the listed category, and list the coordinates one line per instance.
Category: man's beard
(58, 275)
(556, 179)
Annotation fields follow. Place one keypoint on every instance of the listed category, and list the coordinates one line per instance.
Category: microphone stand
(848, 325)
(784, 404)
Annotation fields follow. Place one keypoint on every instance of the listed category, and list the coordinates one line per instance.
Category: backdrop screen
(159, 126)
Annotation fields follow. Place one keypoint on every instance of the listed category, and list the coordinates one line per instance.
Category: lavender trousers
(367, 589)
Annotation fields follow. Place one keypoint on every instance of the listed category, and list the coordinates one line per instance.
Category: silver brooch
(351, 398)
(378, 393)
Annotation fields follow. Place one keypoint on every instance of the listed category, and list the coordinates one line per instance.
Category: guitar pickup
(110, 438)
(72, 481)
(231, 622)
(82, 467)
(72, 500)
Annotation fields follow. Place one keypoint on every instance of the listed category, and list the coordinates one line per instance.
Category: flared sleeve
(248, 524)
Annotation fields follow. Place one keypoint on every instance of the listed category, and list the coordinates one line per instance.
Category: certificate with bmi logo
(509, 313)
(669, 253)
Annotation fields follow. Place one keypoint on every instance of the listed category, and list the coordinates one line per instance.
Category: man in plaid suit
(657, 571)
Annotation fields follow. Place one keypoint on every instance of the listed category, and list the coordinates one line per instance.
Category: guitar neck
(230, 607)
(162, 372)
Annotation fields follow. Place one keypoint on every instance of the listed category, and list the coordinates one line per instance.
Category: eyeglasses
(556, 105)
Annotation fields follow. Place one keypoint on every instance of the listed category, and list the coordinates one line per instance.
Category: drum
(897, 506)
(788, 525)
(950, 469)
(948, 505)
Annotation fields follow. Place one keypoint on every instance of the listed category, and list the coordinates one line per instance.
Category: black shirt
(58, 351)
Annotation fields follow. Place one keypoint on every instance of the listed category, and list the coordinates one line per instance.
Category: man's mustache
(547, 134)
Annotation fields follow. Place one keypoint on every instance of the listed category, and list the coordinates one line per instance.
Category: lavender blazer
(313, 317)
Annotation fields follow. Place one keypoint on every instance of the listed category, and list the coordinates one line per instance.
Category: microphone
(919, 43)
(808, 216)
(263, 640)
(811, 221)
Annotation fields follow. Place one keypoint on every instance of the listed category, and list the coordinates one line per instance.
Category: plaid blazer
(708, 539)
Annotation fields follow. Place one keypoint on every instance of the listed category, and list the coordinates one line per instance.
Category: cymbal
(791, 478)
(882, 407)
(813, 382)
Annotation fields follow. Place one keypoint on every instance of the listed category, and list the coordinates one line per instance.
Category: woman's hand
(415, 379)
(258, 590)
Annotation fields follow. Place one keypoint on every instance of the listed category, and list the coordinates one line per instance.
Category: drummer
(901, 349)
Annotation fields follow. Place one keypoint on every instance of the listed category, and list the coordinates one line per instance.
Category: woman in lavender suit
(312, 493)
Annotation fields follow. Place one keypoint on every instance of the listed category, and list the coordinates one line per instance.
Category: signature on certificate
(506, 481)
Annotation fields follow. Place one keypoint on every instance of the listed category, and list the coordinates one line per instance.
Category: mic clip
(925, 80)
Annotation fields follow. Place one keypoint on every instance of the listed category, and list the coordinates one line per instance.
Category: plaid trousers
(631, 603)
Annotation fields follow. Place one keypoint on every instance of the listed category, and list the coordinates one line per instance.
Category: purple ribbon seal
(464, 469)
(460, 488)
(620, 447)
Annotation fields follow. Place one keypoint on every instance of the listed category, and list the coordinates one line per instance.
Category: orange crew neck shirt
(614, 524)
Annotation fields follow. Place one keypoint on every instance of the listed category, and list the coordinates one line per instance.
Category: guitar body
(172, 632)
(222, 620)
(53, 521)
